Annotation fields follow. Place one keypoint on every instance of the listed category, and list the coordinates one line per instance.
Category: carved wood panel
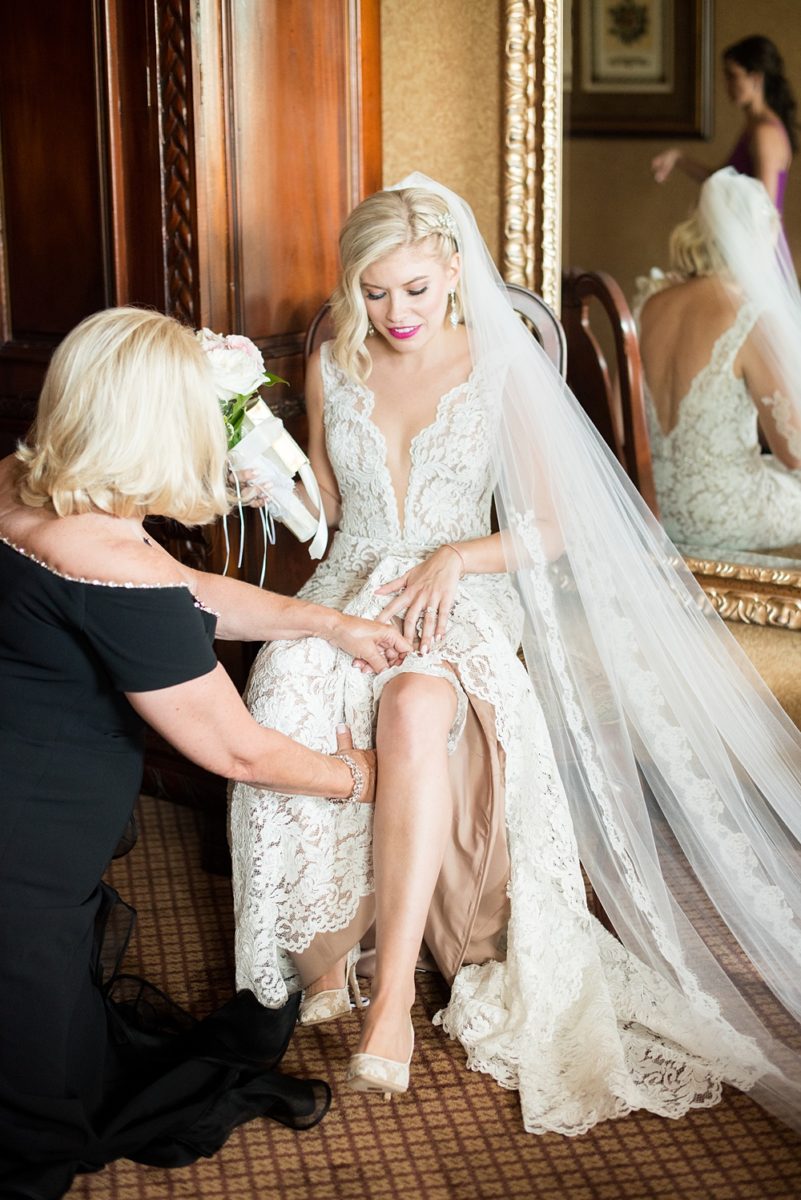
(177, 174)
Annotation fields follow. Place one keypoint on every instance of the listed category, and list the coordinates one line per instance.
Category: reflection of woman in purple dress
(755, 81)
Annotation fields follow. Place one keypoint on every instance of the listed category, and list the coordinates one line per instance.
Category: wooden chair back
(538, 317)
(542, 322)
(618, 412)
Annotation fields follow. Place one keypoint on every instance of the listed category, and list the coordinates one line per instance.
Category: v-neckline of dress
(366, 412)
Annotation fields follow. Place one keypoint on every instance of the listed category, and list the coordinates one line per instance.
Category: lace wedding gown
(555, 1006)
(715, 487)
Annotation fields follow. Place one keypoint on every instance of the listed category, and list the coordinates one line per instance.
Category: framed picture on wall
(640, 67)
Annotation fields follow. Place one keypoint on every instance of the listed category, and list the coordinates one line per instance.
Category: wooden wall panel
(81, 178)
(293, 145)
(295, 105)
(53, 172)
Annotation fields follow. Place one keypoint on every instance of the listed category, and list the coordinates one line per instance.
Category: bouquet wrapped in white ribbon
(258, 442)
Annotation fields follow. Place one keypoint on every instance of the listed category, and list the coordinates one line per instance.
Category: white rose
(208, 339)
(237, 364)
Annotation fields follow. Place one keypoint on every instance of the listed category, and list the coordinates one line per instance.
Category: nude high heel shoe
(334, 1002)
(369, 1073)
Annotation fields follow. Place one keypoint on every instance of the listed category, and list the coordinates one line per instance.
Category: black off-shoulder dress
(96, 1066)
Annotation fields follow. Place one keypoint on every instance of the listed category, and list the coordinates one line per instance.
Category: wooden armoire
(197, 156)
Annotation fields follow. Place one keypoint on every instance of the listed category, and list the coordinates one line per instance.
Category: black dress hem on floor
(174, 1087)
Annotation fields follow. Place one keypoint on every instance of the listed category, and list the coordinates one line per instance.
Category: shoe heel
(354, 987)
(352, 981)
(334, 1002)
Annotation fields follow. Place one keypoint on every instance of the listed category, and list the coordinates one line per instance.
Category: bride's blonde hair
(692, 252)
(698, 246)
(128, 423)
(382, 223)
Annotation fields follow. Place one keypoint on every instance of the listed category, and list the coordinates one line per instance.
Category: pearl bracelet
(358, 778)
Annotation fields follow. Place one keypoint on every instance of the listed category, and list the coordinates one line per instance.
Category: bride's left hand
(429, 589)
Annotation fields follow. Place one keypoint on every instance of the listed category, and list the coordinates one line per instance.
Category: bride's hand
(429, 589)
(373, 645)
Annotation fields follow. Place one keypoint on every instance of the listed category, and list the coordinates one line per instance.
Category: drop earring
(454, 314)
(370, 328)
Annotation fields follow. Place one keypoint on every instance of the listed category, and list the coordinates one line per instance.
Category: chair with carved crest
(616, 408)
(538, 317)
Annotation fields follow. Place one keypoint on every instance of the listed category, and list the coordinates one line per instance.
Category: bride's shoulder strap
(731, 341)
(329, 370)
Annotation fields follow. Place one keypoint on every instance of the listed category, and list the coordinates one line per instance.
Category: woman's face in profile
(406, 295)
(742, 86)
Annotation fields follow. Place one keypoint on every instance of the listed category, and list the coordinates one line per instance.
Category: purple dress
(742, 161)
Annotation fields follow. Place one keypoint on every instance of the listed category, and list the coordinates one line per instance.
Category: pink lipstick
(401, 332)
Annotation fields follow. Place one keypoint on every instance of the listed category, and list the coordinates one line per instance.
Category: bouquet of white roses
(258, 442)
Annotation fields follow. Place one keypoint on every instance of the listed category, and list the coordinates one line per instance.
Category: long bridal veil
(743, 229)
(682, 773)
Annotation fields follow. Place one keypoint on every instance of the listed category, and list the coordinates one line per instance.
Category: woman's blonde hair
(128, 423)
(692, 251)
(382, 223)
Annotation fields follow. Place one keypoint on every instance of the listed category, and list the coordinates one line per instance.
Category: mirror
(635, 83)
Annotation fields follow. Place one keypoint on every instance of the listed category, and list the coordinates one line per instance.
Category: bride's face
(406, 295)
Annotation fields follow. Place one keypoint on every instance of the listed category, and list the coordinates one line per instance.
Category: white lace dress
(562, 1012)
(716, 489)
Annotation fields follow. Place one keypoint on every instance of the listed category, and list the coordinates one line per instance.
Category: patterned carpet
(455, 1136)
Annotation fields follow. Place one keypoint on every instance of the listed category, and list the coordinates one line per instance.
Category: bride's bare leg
(413, 814)
(335, 978)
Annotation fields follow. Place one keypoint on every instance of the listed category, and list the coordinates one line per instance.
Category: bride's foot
(385, 1052)
(381, 1063)
(328, 997)
(385, 1031)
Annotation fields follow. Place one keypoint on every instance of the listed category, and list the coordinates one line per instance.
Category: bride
(636, 740)
(709, 383)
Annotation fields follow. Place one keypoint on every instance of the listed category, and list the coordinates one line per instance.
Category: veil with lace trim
(682, 773)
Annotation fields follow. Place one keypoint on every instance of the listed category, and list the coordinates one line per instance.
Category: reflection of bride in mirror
(719, 342)
(756, 84)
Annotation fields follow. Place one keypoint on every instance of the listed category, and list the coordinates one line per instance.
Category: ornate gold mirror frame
(532, 199)
(761, 589)
(755, 589)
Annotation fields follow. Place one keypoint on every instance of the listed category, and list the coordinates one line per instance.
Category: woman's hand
(428, 589)
(374, 645)
(662, 165)
(251, 493)
(365, 760)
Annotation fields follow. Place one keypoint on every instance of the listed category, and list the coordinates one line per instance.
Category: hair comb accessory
(445, 222)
